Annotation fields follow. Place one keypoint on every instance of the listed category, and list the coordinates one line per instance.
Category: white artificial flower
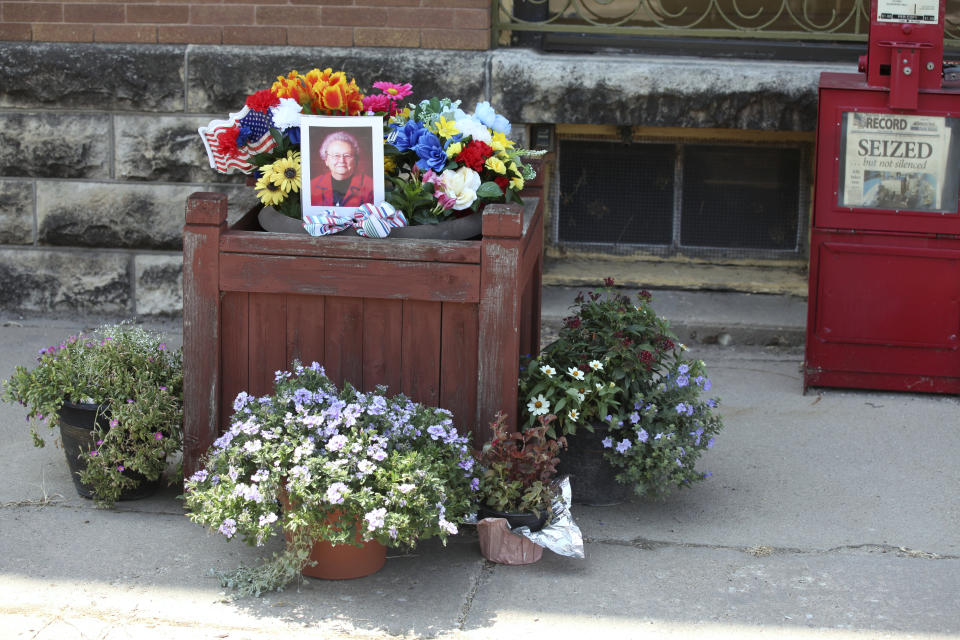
(286, 114)
(472, 127)
(461, 185)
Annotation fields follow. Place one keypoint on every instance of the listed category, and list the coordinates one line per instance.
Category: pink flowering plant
(134, 379)
(345, 465)
(616, 367)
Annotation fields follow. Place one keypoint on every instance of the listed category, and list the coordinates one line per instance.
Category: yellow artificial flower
(268, 191)
(516, 183)
(499, 142)
(389, 164)
(446, 128)
(454, 149)
(495, 164)
(285, 172)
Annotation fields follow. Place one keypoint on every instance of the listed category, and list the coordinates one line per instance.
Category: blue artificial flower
(486, 114)
(407, 136)
(244, 135)
(430, 151)
(293, 135)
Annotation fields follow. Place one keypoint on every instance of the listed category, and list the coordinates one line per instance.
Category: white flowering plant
(616, 366)
(346, 465)
(576, 395)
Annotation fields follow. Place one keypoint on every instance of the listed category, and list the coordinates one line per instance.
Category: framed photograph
(341, 163)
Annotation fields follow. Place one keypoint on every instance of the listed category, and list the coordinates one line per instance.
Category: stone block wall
(99, 146)
(435, 24)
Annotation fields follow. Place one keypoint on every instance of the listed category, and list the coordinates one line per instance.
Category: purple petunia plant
(348, 466)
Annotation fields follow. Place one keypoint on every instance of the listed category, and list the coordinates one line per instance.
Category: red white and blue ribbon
(370, 221)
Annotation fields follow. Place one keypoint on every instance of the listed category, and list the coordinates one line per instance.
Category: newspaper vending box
(884, 297)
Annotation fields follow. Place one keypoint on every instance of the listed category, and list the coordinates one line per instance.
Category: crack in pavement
(646, 544)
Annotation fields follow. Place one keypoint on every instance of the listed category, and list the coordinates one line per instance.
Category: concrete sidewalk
(829, 515)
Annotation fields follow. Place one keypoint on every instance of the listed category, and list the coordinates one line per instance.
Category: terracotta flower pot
(341, 561)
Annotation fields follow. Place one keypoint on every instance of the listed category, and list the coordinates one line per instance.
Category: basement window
(699, 199)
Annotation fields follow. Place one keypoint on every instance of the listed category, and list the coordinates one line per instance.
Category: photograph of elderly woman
(341, 166)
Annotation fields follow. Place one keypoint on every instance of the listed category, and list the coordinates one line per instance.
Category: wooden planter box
(444, 322)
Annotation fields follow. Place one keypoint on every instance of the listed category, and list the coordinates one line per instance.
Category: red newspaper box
(884, 301)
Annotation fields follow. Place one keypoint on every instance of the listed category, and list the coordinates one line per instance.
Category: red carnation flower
(475, 154)
(227, 141)
(262, 100)
(502, 182)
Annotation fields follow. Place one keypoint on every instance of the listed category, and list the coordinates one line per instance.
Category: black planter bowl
(521, 519)
(465, 228)
(79, 438)
(593, 481)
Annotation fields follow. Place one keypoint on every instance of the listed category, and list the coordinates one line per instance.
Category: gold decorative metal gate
(806, 20)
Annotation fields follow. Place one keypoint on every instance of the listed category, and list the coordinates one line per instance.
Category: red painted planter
(443, 321)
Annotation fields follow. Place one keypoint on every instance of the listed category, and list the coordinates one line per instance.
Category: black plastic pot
(514, 520)
(593, 480)
(79, 438)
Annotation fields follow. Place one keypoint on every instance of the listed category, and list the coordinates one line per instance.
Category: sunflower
(285, 172)
(268, 191)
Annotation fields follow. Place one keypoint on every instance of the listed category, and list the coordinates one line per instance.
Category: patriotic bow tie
(370, 221)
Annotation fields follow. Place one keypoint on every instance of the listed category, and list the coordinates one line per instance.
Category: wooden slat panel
(391, 279)
(305, 329)
(382, 352)
(459, 251)
(268, 345)
(420, 377)
(458, 363)
(343, 340)
(206, 215)
(235, 354)
(499, 344)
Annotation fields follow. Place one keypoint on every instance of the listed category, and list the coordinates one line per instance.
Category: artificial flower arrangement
(440, 161)
(348, 464)
(616, 366)
(132, 380)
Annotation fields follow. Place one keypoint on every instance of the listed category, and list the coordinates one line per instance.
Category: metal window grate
(614, 192)
(667, 197)
(742, 197)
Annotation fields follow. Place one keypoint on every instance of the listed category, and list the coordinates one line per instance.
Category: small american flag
(224, 160)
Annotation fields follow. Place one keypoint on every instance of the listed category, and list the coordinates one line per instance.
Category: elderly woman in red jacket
(341, 185)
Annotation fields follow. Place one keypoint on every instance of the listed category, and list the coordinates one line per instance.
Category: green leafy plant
(347, 463)
(616, 365)
(134, 378)
(517, 468)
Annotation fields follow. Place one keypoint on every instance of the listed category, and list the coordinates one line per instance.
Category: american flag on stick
(226, 158)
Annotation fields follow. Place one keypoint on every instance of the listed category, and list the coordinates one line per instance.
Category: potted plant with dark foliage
(516, 470)
(117, 395)
(630, 402)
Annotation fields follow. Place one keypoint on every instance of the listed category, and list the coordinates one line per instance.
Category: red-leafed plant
(518, 467)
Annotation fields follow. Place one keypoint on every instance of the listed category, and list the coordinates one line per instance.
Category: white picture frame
(364, 180)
